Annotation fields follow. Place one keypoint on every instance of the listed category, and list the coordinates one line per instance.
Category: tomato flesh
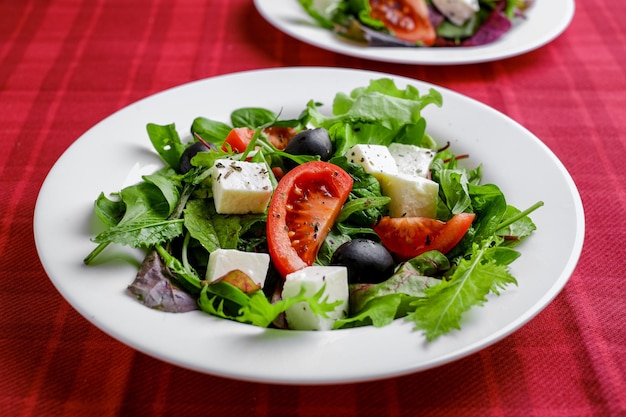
(238, 139)
(408, 237)
(302, 211)
(407, 19)
(279, 136)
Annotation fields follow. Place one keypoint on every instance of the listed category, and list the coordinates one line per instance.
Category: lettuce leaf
(225, 300)
(380, 304)
(377, 114)
(442, 307)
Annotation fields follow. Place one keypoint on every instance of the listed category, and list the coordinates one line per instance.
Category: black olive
(184, 165)
(310, 142)
(368, 262)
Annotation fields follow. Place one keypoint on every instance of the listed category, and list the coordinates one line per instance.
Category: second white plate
(546, 20)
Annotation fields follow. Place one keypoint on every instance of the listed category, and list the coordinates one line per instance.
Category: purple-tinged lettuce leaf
(153, 288)
(496, 25)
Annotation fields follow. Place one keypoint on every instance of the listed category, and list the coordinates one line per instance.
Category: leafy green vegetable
(166, 142)
(252, 117)
(377, 114)
(484, 272)
(382, 303)
(145, 222)
(210, 130)
(353, 20)
(366, 204)
(110, 212)
(174, 215)
(213, 230)
(227, 301)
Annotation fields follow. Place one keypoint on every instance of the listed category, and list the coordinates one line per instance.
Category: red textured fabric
(67, 64)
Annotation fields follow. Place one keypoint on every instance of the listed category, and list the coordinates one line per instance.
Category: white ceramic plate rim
(116, 150)
(545, 21)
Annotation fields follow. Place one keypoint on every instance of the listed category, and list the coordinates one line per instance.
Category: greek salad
(411, 23)
(317, 222)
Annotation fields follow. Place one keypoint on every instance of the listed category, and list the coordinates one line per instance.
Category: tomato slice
(238, 138)
(302, 211)
(408, 237)
(407, 19)
(279, 136)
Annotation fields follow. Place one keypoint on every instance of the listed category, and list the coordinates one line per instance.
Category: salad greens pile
(435, 23)
(171, 215)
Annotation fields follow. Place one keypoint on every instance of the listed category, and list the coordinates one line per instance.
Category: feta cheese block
(410, 196)
(240, 187)
(222, 261)
(457, 11)
(411, 159)
(299, 316)
(375, 159)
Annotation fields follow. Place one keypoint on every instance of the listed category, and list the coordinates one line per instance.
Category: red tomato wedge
(238, 138)
(408, 237)
(279, 136)
(302, 211)
(407, 19)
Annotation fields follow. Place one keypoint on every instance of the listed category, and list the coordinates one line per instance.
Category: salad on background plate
(365, 29)
(117, 155)
(418, 23)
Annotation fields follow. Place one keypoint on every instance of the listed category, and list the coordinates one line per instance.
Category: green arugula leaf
(380, 311)
(186, 277)
(516, 225)
(227, 301)
(443, 306)
(145, 222)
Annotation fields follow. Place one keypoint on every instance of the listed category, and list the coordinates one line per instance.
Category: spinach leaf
(110, 212)
(365, 204)
(145, 222)
(165, 180)
(166, 142)
(210, 130)
(489, 204)
(252, 117)
(214, 230)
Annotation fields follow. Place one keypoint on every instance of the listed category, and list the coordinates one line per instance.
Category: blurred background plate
(546, 20)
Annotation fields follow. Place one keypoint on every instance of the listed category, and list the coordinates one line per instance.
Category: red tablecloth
(67, 64)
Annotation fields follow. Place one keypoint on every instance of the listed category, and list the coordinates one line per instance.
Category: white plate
(546, 20)
(114, 151)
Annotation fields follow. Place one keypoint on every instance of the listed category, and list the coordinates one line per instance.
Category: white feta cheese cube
(375, 159)
(411, 159)
(457, 11)
(222, 261)
(240, 187)
(410, 196)
(299, 316)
